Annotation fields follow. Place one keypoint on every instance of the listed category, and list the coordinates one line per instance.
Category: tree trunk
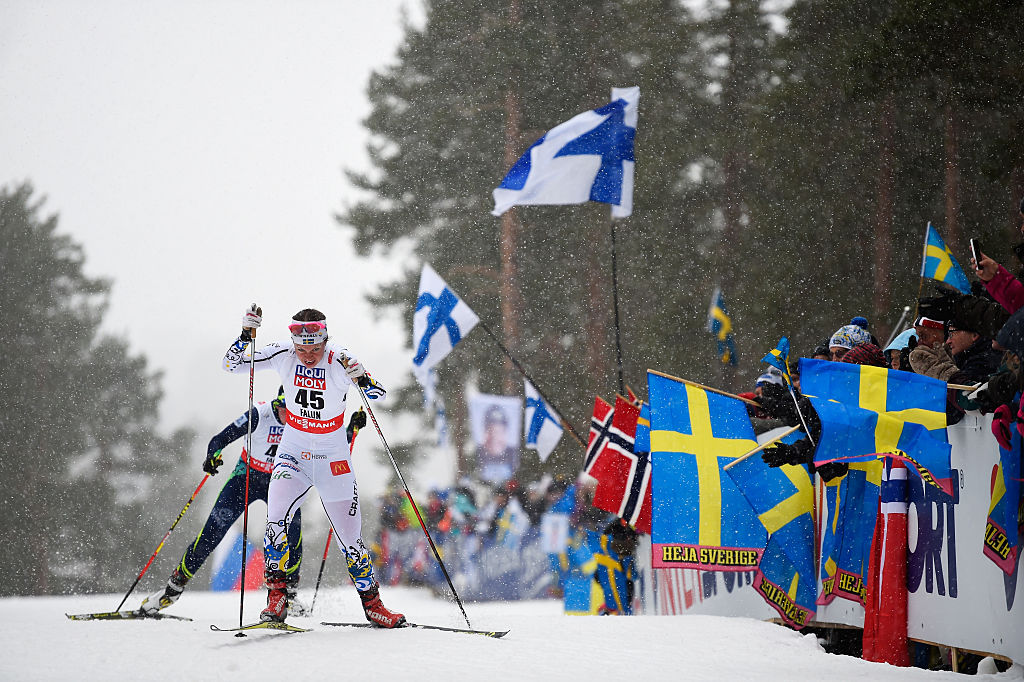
(952, 189)
(884, 219)
(511, 305)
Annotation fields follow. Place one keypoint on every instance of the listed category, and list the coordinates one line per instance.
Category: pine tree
(81, 453)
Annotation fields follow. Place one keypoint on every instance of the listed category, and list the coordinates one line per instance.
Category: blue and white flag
(543, 427)
(587, 158)
(440, 321)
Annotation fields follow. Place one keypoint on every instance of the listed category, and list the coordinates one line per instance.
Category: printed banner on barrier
(694, 433)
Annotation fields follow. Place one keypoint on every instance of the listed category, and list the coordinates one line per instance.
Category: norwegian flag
(600, 424)
(885, 613)
(624, 476)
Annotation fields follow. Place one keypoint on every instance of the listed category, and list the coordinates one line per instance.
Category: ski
(262, 625)
(496, 634)
(124, 615)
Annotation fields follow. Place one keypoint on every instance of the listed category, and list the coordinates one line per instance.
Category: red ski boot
(277, 600)
(377, 613)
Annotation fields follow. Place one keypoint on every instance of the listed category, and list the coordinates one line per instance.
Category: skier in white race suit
(316, 375)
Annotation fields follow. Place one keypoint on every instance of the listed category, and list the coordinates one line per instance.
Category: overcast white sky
(195, 150)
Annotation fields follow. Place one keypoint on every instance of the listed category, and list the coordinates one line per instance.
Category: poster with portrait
(495, 422)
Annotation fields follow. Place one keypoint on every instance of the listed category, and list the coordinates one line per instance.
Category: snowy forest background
(791, 154)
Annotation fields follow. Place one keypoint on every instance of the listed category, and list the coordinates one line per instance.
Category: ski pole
(161, 545)
(248, 455)
(415, 508)
(323, 562)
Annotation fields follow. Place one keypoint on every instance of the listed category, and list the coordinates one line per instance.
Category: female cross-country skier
(313, 451)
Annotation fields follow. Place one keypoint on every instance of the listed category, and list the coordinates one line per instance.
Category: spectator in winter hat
(865, 354)
(897, 353)
(930, 332)
(862, 322)
(772, 376)
(821, 353)
(845, 339)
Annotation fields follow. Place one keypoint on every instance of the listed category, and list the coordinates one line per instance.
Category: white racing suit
(313, 452)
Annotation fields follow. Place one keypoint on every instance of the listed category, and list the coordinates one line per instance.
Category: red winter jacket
(1006, 289)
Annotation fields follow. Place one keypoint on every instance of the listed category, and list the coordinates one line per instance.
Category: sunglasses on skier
(307, 327)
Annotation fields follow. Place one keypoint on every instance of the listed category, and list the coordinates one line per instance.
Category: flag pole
(759, 448)
(532, 381)
(748, 401)
(615, 305)
(924, 261)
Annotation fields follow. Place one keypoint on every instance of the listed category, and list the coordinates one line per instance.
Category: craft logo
(311, 377)
(932, 563)
(274, 437)
(339, 468)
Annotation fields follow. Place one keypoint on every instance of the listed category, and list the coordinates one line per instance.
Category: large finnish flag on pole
(440, 321)
(543, 427)
(587, 158)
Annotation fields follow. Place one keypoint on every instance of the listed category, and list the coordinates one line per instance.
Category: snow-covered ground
(41, 644)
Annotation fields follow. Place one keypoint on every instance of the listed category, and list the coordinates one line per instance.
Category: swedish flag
(783, 499)
(1002, 536)
(785, 588)
(851, 508)
(869, 412)
(720, 324)
(938, 263)
(701, 520)
(906, 396)
(778, 358)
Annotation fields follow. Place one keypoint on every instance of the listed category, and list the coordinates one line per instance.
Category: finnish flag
(587, 158)
(440, 321)
(542, 425)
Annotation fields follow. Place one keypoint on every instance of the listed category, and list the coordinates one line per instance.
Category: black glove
(941, 307)
(1001, 389)
(358, 419)
(213, 463)
(832, 470)
(777, 403)
(355, 422)
(779, 453)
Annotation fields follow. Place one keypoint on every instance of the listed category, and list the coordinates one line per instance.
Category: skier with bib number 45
(316, 375)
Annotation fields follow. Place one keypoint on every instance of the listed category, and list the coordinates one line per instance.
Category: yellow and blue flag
(1002, 536)
(869, 410)
(785, 588)
(783, 499)
(778, 358)
(852, 506)
(700, 518)
(939, 264)
(643, 429)
(720, 324)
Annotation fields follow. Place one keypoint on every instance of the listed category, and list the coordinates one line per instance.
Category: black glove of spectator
(832, 470)
(777, 403)
(779, 453)
(942, 307)
(213, 463)
(1000, 391)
